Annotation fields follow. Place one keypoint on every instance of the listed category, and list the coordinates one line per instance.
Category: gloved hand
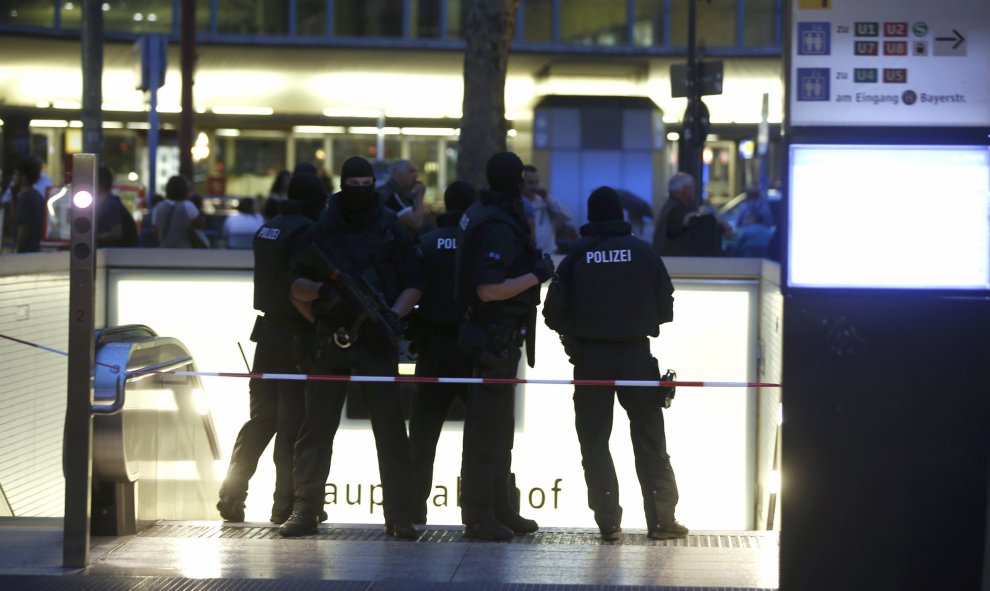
(543, 268)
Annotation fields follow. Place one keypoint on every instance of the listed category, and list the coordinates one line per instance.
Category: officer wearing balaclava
(364, 240)
(606, 333)
(276, 407)
(498, 273)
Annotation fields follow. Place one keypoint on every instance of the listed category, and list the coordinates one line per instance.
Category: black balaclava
(310, 191)
(604, 205)
(459, 196)
(355, 200)
(504, 172)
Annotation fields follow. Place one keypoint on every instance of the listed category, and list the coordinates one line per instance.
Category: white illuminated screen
(889, 217)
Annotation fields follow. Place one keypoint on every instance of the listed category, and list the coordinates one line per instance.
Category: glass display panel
(889, 217)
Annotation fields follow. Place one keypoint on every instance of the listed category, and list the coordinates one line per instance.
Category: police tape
(418, 379)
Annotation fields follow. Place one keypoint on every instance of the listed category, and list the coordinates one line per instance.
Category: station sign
(903, 63)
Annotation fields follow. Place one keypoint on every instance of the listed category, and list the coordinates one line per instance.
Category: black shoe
(487, 530)
(608, 524)
(231, 509)
(299, 524)
(281, 512)
(610, 533)
(519, 524)
(402, 530)
(669, 530)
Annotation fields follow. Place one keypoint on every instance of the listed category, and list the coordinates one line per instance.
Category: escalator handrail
(135, 374)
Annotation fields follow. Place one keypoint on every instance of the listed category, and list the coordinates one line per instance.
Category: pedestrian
(606, 334)
(282, 334)
(498, 275)
(29, 206)
(363, 239)
(436, 340)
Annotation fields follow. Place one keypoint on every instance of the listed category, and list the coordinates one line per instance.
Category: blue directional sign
(812, 84)
(814, 38)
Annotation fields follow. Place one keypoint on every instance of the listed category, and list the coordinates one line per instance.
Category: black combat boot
(487, 529)
(519, 524)
(609, 524)
(402, 530)
(231, 508)
(299, 524)
(668, 529)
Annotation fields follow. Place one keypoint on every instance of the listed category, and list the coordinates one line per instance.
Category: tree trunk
(490, 28)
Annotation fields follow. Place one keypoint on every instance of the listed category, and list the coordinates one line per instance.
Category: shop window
(648, 23)
(149, 16)
(424, 153)
(253, 17)
(593, 22)
(457, 14)
(311, 17)
(536, 17)
(426, 19)
(715, 26)
(120, 153)
(249, 164)
(760, 18)
(35, 13)
(366, 147)
(370, 18)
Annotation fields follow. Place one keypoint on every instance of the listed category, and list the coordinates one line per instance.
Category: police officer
(498, 274)
(605, 331)
(436, 340)
(276, 406)
(363, 239)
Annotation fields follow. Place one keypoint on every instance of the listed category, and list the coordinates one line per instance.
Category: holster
(572, 347)
(488, 345)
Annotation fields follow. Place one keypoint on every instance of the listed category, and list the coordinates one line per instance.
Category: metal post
(187, 130)
(77, 440)
(380, 140)
(695, 142)
(92, 69)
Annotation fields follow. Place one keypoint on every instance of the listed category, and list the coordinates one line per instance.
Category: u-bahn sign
(894, 62)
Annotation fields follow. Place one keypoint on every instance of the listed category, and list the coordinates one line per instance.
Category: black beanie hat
(355, 166)
(604, 205)
(459, 196)
(307, 188)
(504, 172)
(304, 168)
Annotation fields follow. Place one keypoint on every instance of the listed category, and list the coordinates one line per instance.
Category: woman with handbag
(177, 220)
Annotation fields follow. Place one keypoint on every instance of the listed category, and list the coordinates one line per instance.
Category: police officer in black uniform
(499, 272)
(281, 334)
(611, 294)
(436, 340)
(364, 240)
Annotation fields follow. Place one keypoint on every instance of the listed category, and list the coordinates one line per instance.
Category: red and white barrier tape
(427, 380)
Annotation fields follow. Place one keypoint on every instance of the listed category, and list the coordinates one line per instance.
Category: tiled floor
(210, 554)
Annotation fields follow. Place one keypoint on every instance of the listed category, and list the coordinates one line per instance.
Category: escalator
(155, 449)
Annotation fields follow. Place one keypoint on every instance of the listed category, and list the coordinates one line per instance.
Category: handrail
(133, 376)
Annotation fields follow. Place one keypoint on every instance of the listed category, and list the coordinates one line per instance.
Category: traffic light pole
(77, 440)
(693, 129)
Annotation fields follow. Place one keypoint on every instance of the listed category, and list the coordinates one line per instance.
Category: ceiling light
(227, 110)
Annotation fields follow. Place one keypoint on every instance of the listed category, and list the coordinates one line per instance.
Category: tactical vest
(362, 250)
(477, 216)
(611, 291)
(439, 251)
(273, 244)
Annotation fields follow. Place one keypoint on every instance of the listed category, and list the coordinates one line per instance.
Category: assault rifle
(358, 294)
